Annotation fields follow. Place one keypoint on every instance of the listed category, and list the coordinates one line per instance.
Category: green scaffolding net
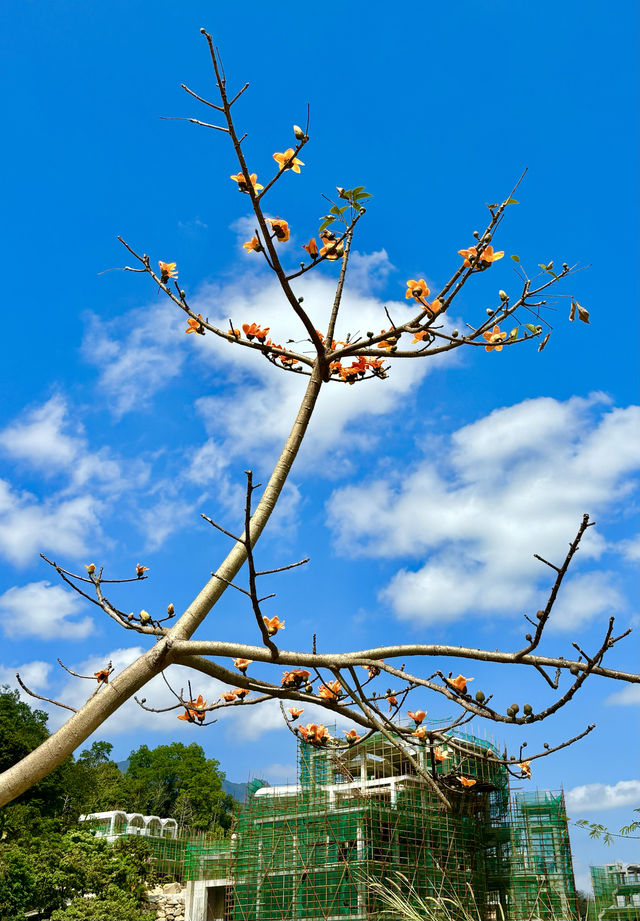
(311, 850)
(616, 890)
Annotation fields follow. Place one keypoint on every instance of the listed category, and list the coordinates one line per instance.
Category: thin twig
(40, 697)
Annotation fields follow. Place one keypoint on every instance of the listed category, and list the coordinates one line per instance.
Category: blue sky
(420, 499)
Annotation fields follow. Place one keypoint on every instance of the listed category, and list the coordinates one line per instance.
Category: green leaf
(515, 258)
(334, 210)
(326, 223)
(365, 195)
(511, 201)
(358, 188)
(532, 329)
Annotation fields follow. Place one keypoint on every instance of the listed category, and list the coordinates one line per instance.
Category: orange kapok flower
(295, 678)
(228, 696)
(467, 781)
(459, 683)
(91, 568)
(352, 735)
(481, 262)
(316, 734)
(234, 332)
(102, 676)
(242, 664)
(273, 624)
(311, 247)
(350, 374)
(243, 186)
(373, 670)
(389, 343)
(330, 690)
(194, 326)
(282, 158)
(253, 245)
(417, 290)
(494, 339)
(332, 249)
(418, 716)
(167, 271)
(393, 702)
(280, 229)
(420, 733)
(295, 712)
(194, 710)
(140, 570)
(525, 767)
(438, 754)
(241, 693)
(253, 331)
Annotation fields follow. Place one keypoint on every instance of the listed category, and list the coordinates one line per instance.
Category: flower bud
(528, 709)
(170, 610)
(298, 133)
(455, 333)
(490, 312)
(145, 617)
(503, 295)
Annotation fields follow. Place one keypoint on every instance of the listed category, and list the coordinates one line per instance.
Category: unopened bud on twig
(298, 133)
(503, 295)
(145, 617)
(170, 610)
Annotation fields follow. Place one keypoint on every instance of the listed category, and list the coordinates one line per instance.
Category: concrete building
(308, 850)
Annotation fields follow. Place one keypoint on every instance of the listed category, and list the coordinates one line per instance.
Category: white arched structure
(116, 823)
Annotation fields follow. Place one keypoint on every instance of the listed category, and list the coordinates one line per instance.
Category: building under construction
(310, 850)
(616, 890)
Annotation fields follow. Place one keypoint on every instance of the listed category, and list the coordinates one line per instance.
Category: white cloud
(29, 525)
(48, 439)
(594, 797)
(585, 597)
(512, 484)
(629, 549)
(368, 271)
(38, 438)
(259, 403)
(35, 675)
(628, 696)
(43, 610)
(137, 354)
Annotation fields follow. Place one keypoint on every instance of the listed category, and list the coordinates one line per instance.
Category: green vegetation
(50, 864)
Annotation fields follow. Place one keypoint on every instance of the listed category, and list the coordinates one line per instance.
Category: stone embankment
(167, 901)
